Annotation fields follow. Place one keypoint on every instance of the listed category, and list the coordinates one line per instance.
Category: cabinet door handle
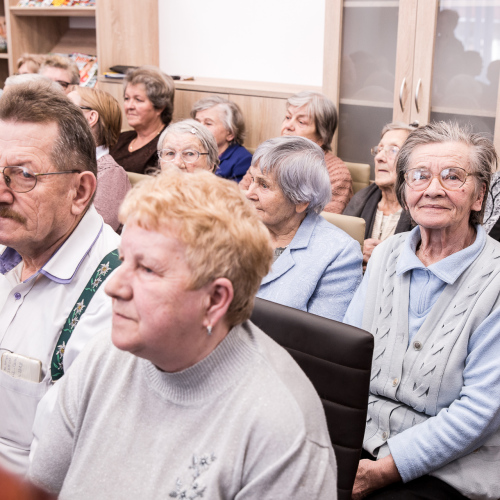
(401, 94)
(417, 90)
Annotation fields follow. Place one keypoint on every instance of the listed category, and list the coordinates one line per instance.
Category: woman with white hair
(224, 119)
(189, 146)
(317, 266)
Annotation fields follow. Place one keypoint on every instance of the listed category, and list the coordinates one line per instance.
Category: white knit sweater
(244, 423)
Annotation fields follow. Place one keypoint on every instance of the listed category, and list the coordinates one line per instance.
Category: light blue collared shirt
(426, 283)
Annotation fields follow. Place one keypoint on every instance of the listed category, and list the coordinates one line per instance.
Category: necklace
(131, 147)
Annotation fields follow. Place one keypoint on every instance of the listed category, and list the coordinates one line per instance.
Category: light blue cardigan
(318, 272)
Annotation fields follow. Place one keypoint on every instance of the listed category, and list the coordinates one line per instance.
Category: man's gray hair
(39, 102)
(321, 110)
(230, 114)
(201, 132)
(30, 77)
(482, 157)
(298, 165)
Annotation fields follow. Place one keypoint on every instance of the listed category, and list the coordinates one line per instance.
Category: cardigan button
(384, 436)
(417, 345)
(395, 382)
(17, 295)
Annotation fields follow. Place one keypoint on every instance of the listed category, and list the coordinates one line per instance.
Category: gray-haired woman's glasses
(390, 151)
(23, 180)
(450, 178)
(188, 155)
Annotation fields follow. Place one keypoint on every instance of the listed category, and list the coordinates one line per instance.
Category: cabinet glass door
(367, 73)
(466, 63)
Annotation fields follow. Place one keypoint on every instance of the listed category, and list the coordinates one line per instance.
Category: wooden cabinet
(410, 60)
(124, 32)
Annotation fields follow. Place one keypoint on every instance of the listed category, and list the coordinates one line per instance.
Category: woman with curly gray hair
(148, 100)
(317, 266)
(224, 119)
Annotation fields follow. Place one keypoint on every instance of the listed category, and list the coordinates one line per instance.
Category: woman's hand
(368, 246)
(373, 475)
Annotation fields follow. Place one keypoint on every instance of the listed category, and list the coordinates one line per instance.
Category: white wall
(261, 40)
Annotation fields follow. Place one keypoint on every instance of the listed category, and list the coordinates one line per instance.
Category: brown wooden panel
(184, 100)
(263, 117)
(127, 33)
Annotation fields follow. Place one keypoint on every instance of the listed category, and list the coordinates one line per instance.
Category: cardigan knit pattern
(434, 392)
(243, 423)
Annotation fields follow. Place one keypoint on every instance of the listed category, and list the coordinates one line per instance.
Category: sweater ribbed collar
(211, 376)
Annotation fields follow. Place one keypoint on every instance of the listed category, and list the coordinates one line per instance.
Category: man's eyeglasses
(63, 84)
(390, 151)
(450, 178)
(86, 107)
(188, 155)
(23, 180)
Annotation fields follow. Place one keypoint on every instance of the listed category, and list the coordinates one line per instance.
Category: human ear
(93, 118)
(478, 203)
(301, 207)
(220, 295)
(84, 189)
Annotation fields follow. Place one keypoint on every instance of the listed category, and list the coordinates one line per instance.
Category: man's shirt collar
(66, 260)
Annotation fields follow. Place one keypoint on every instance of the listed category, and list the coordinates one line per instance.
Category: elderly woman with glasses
(378, 204)
(317, 266)
(184, 397)
(189, 146)
(431, 298)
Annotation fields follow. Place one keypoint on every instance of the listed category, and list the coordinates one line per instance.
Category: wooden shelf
(463, 111)
(234, 87)
(77, 40)
(54, 11)
(240, 87)
(364, 102)
(4, 55)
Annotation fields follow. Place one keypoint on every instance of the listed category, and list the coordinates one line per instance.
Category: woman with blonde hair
(104, 116)
(183, 397)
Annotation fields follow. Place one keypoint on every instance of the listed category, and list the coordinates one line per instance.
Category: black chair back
(337, 359)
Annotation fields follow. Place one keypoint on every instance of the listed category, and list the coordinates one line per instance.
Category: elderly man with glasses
(55, 253)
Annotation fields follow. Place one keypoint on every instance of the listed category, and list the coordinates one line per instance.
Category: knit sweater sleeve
(305, 471)
(340, 179)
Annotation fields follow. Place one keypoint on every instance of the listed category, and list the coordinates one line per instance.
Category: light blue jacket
(318, 272)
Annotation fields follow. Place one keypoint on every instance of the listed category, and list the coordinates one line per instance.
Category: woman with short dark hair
(149, 103)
